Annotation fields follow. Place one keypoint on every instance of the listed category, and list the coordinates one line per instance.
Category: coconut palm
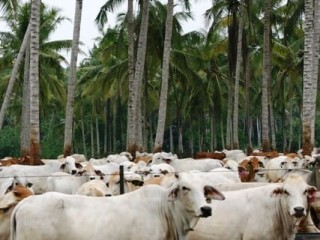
(52, 89)
(165, 79)
(67, 149)
(308, 79)
(34, 84)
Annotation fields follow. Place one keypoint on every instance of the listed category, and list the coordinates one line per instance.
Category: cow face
(70, 166)
(295, 195)
(194, 195)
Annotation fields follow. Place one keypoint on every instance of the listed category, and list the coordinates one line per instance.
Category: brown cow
(14, 195)
(269, 155)
(248, 168)
(214, 155)
(8, 161)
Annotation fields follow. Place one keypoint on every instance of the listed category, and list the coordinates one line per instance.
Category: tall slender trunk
(237, 80)
(83, 133)
(315, 76)
(171, 139)
(248, 103)
(266, 76)
(105, 132)
(134, 128)
(92, 138)
(307, 107)
(13, 75)
(34, 84)
(165, 79)
(97, 136)
(67, 149)
(25, 115)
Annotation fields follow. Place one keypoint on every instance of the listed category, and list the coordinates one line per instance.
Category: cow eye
(286, 192)
(208, 200)
(185, 188)
(295, 164)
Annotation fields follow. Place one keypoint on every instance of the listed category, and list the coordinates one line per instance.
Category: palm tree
(165, 79)
(13, 75)
(34, 84)
(237, 79)
(266, 76)
(9, 7)
(308, 78)
(52, 89)
(72, 80)
(134, 128)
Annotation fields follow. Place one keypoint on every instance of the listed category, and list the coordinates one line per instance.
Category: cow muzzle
(206, 211)
(298, 212)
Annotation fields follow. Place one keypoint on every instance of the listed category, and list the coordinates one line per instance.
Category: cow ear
(78, 165)
(164, 172)
(62, 166)
(173, 194)
(212, 193)
(277, 192)
(312, 194)
(137, 182)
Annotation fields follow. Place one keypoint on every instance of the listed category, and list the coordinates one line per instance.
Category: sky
(90, 9)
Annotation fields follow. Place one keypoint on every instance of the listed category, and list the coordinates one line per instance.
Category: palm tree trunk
(165, 79)
(97, 136)
(13, 75)
(25, 115)
(266, 76)
(83, 133)
(92, 138)
(237, 80)
(67, 149)
(131, 61)
(315, 65)
(134, 128)
(34, 84)
(307, 107)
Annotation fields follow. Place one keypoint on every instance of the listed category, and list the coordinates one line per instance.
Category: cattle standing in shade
(277, 208)
(151, 212)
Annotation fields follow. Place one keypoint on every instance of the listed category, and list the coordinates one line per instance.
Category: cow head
(193, 194)
(295, 195)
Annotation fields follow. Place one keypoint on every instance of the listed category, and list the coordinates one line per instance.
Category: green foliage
(51, 137)
(9, 142)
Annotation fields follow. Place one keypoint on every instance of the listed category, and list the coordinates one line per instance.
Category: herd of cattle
(216, 195)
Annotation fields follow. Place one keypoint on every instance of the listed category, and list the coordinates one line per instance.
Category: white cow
(105, 170)
(37, 175)
(237, 154)
(269, 212)
(220, 175)
(150, 212)
(185, 165)
(132, 181)
(66, 183)
(161, 169)
(119, 158)
(94, 188)
(7, 203)
(99, 161)
(277, 167)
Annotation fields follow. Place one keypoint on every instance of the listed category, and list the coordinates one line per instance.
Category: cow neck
(178, 221)
(289, 224)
